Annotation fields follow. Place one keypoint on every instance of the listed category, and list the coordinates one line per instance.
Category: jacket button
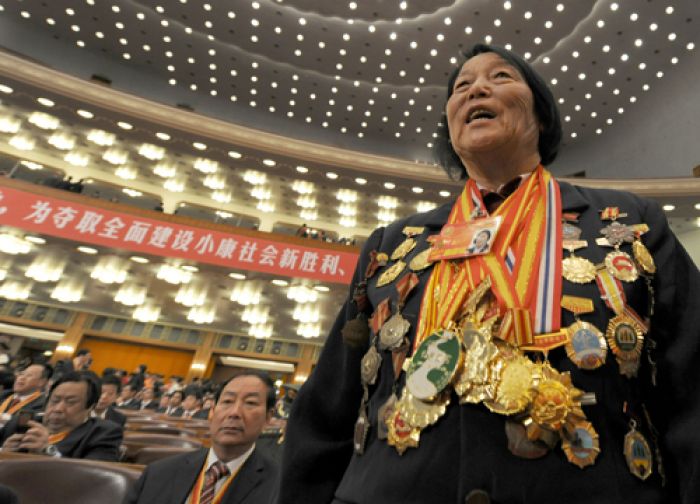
(477, 497)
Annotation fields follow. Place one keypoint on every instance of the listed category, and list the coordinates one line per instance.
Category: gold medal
(412, 230)
(626, 339)
(361, 431)
(420, 261)
(392, 332)
(390, 274)
(434, 365)
(400, 435)
(551, 404)
(514, 391)
(404, 248)
(369, 366)
(421, 414)
(473, 383)
(643, 257)
(638, 454)
(621, 266)
(586, 346)
(581, 445)
(578, 269)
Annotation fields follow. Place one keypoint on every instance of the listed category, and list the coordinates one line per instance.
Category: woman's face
(491, 108)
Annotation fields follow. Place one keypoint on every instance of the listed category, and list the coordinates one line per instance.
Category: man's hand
(36, 438)
(12, 443)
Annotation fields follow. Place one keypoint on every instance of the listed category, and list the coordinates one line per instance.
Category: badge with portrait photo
(469, 239)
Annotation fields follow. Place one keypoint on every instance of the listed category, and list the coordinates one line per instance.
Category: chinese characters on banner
(97, 226)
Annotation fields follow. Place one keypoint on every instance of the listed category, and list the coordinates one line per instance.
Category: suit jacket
(170, 480)
(35, 406)
(133, 404)
(150, 405)
(202, 414)
(177, 412)
(96, 439)
(114, 416)
(467, 449)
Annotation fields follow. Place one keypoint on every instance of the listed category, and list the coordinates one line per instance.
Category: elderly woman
(522, 415)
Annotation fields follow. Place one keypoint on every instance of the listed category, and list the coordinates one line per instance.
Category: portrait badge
(434, 365)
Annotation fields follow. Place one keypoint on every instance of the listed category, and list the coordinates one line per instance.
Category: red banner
(97, 226)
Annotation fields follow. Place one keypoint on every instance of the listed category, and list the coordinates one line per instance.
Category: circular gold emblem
(421, 414)
(390, 274)
(621, 266)
(551, 404)
(578, 270)
(404, 248)
(643, 257)
(515, 387)
(625, 338)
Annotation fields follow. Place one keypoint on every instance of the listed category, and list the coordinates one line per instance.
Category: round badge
(434, 365)
(582, 447)
(578, 270)
(586, 346)
(621, 266)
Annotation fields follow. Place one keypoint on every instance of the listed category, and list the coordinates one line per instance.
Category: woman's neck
(492, 171)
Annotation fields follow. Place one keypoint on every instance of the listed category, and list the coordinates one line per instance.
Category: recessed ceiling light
(389, 185)
(444, 194)
(87, 250)
(417, 190)
(85, 113)
(139, 259)
(6, 89)
(237, 276)
(269, 162)
(669, 208)
(124, 125)
(302, 169)
(279, 282)
(199, 145)
(35, 239)
(163, 136)
(191, 269)
(45, 102)
(697, 206)
(332, 175)
(360, 181)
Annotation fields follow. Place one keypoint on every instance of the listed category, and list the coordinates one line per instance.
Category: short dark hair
(181, 392)
(112, 380)
(94, 389)
(546, 111)
(263, 377)
(46, 368)
(81, 352)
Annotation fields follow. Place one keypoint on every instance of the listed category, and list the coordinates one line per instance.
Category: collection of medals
(466, 356)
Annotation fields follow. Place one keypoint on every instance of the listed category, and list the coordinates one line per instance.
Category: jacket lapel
(248, 477)
(184, 476)
(571, 198)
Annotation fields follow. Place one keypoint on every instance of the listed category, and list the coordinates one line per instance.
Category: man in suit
(111, 386)
(127, 398)
(232, 467)
(175, 404)
(27, 391)
(148, 400)
(191, 404)
(67, 429)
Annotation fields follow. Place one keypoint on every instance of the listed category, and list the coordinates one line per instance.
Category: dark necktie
(14, 402)
(217, 471)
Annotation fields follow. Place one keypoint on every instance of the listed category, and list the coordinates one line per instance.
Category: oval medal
(638, 455)
(643, 257)
(582, 447)
(578, 269)
(434, 365)
(515, 387)
(621, 266)
(420, 261)
(586, 346)
(404, 248)
(390, 274)
(369, 366)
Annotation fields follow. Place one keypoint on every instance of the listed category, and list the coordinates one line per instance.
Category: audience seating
(47, 480)
(163, 429)
(134, 441)
(149, 454)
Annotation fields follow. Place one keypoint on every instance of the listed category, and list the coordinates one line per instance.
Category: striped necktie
(217, 471)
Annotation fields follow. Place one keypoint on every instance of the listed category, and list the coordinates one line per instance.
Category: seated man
(191, 404)
(127, 399)
(175, 404)
(230, 471)
(67, 429)
(111, 386)
(27, 392)
(164, 403)
(148, 401)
